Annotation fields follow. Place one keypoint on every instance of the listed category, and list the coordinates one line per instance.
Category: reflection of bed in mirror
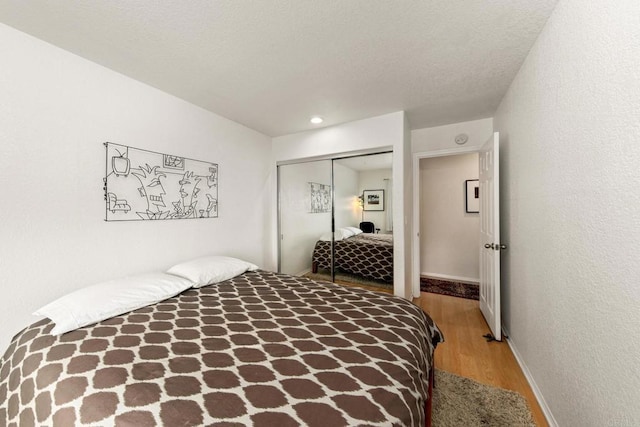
(365, 254)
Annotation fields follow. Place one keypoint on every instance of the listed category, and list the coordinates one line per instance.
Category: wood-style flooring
(466, 352)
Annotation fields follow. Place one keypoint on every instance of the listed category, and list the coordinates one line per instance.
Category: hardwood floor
(466, 352)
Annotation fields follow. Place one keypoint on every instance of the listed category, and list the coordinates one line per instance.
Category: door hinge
(495, 246)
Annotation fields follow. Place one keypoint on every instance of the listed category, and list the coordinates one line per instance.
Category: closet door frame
(331, 158)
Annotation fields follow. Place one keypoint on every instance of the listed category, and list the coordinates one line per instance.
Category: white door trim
(415, 265)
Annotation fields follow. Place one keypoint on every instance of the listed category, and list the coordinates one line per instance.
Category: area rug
(449, 287)
(437, 286)
(459, 401)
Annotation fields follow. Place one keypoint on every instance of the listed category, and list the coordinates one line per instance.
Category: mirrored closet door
(304, 205)
(335, 219)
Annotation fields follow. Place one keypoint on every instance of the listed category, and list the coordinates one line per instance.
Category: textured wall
(570, 138)
(56, 110)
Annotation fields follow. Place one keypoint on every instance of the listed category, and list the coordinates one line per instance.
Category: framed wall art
(472, 191)
(373, 200)
(146, 185)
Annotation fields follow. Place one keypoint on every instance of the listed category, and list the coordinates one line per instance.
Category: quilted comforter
(259, 349)
(367, 255)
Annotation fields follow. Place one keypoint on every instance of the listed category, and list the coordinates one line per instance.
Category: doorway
(489, 234)
(450, 218)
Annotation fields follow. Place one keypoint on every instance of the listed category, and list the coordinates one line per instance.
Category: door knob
(503, 247)
(488, 246)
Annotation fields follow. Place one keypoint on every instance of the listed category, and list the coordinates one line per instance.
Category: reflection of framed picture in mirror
(320, 195)
(472, 204)
(373, 200)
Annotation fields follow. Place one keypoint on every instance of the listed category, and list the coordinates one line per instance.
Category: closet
(320, 200)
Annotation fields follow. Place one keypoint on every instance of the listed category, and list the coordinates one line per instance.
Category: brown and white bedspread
(368, 255)
(260, 349)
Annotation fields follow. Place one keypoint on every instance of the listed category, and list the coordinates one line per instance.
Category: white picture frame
(472, 196)
(373, 200)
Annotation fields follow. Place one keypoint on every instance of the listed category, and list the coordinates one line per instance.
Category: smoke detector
(461, 139)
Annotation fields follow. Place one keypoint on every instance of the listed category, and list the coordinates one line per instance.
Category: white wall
(376, 134)
(56, 110)
(347, 210)
(362, 136)
(449, 236)
(570, 152)
(443, 137)
(403, 220)
(375, 180)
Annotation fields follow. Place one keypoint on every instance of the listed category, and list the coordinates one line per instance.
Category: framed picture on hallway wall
(373, 200)
(472, 204)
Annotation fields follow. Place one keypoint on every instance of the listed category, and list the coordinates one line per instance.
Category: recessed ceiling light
(316, 120)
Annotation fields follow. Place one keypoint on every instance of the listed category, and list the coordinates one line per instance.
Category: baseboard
(454, 278)
(302, 273)
(534, 387)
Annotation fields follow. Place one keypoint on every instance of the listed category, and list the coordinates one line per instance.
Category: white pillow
(108, 299)
(211, 269)
(355, 230)
(346, 232)
(339, 235)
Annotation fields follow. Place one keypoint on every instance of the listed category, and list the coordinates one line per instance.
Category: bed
(259, 349)
(366, 254)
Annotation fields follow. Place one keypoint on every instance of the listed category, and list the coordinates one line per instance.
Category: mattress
(260, 349)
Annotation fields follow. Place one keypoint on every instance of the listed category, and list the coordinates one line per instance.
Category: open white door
(490, 235)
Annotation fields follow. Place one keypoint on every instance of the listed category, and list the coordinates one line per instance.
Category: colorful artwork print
(145, 185)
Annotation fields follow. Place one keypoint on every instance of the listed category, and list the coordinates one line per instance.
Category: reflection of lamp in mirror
(361, 204)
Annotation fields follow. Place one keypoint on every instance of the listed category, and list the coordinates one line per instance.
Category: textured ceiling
(272, 64)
